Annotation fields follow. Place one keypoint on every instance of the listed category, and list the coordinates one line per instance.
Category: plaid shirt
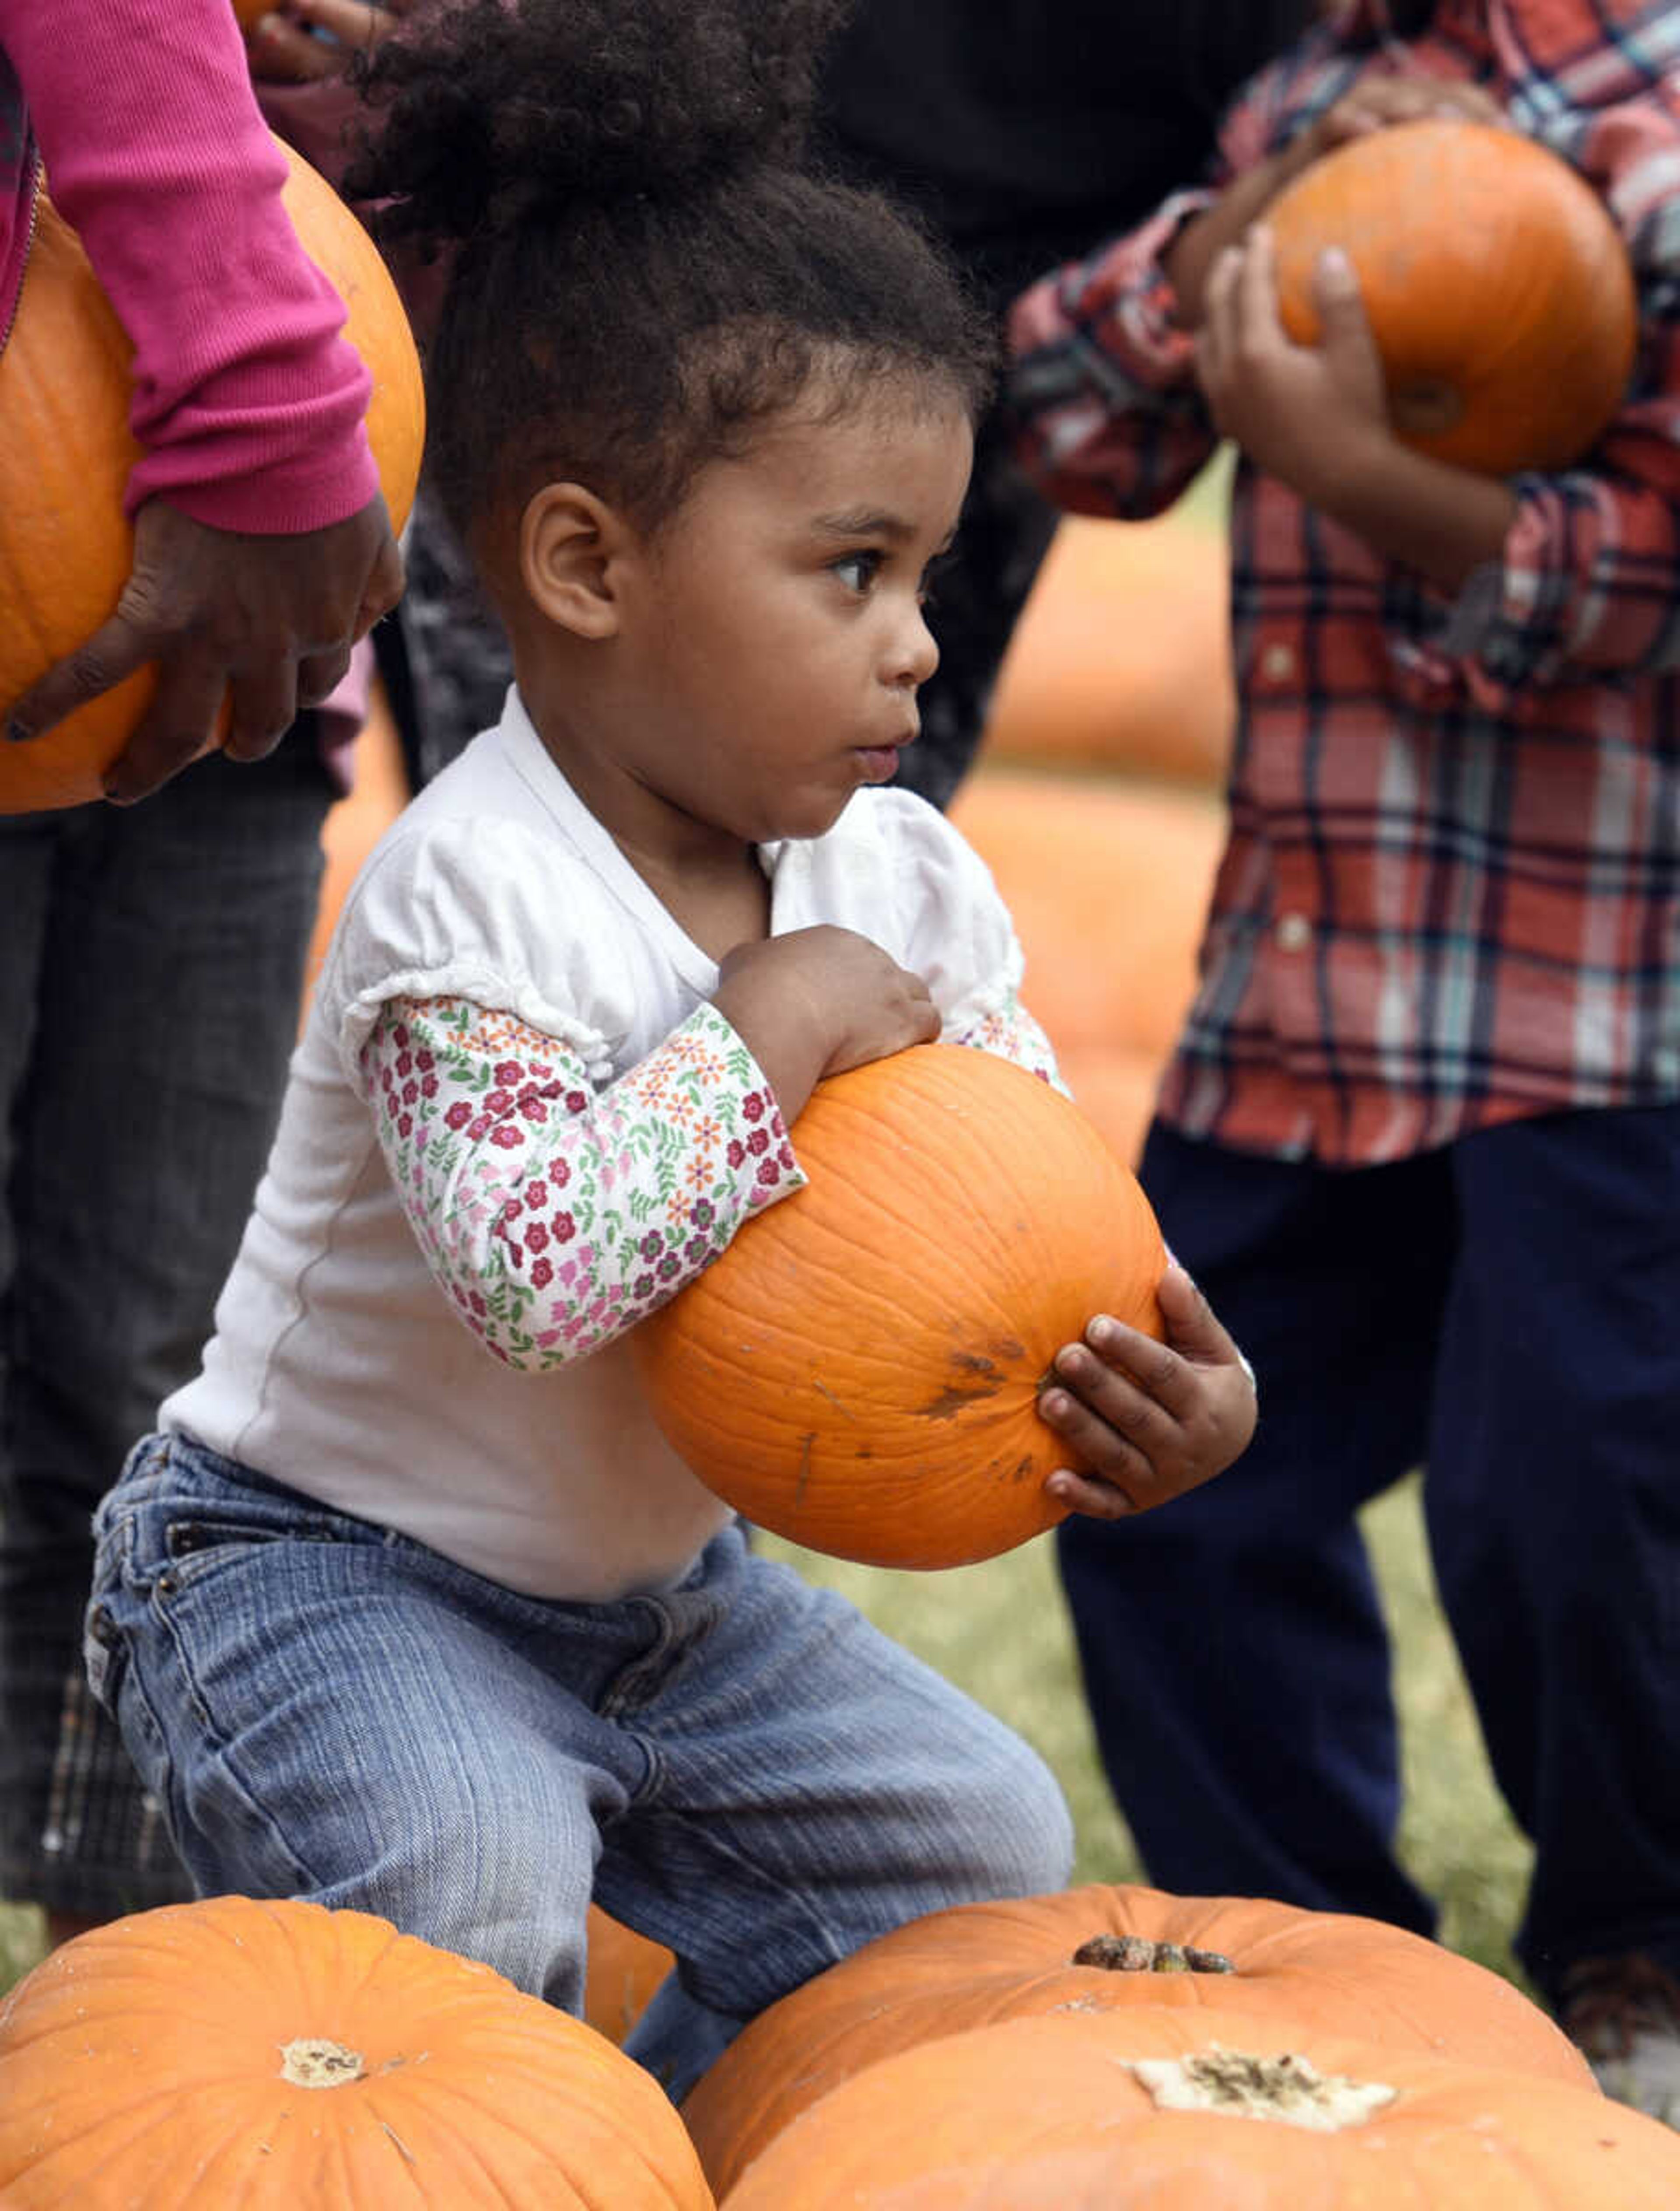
(1451, 892)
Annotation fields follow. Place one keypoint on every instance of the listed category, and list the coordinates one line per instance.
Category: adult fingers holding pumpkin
(266, 622)
(1149, 1420)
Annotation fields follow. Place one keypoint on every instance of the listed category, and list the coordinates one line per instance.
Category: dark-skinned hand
(265, 623)
(1148, 1420)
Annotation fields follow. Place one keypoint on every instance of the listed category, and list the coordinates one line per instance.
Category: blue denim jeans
(150, 967)
(742, 1768)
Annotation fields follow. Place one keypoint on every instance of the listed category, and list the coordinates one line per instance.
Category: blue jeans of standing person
(151, 961)
(1508, 1310)
(741, 1768)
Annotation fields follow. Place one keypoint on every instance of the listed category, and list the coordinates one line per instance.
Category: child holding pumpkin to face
(1420, 1138)
(426, 1618)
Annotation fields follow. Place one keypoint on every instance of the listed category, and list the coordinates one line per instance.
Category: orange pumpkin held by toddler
(859, 1371)
(1497, 288)
(66, 453)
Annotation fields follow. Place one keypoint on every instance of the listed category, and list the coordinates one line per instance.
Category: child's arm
(1149, 1420)
(1561, 577)
(1372, 105)
(1102, 391)
(555, 1216)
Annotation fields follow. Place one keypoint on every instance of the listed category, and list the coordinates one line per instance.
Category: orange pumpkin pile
(860, 1370)
(66, 454)
(1107, 2048)
(1497, 288)
(284, 2057)
(1081, 1952)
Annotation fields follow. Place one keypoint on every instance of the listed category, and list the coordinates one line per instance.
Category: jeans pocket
(103, 1656)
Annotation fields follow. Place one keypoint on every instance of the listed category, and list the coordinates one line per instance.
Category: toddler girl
(409, 1606)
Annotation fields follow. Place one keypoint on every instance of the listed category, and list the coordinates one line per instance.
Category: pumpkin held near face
(1497, 288)
(859, 1371)
(66, 453)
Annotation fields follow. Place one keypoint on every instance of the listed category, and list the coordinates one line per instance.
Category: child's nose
(915, 654)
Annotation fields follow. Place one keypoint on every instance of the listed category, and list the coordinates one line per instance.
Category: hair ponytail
(640, 270)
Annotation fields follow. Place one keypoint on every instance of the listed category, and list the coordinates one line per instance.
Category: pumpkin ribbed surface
(66, 455)
(1224, 2113)
(1497, 288)
(278, 2056)
(859, 1370)
(979, 1964)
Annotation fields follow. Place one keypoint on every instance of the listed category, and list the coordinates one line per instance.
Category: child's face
(780, 639)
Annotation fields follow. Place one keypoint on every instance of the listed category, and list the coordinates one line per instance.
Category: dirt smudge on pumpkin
(977, 1379)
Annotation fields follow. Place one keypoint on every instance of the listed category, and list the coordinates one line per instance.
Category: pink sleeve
(248, 401)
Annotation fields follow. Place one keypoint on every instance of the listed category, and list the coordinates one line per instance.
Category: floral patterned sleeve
(1013, 1034)
(555, 1216)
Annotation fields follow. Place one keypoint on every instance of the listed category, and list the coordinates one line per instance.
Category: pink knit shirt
(247, 400)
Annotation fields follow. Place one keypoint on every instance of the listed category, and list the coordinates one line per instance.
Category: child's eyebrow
(865, 522)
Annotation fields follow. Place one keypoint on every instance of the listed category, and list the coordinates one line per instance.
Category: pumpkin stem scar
(317, 2064)
(1138, 1954)
(1286, 2089)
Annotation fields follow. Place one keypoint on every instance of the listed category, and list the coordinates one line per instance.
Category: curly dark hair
(643, 269)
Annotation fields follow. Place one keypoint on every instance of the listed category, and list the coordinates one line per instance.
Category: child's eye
(857, 570)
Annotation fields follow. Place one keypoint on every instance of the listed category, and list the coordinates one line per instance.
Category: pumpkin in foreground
(281, 2056)
(1087, 1952)
(1155, 2109)
(859, 1371)
(66, 454)
(1497, 288)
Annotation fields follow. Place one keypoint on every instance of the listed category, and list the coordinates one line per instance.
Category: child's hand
(1374, 105)
(818, 1001)
(1310, 416)
(1150, 1420)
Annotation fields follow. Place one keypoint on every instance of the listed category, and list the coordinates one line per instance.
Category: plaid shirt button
(1276, 664)
(1294, 932)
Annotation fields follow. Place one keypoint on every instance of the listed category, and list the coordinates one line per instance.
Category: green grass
(1000, 1631)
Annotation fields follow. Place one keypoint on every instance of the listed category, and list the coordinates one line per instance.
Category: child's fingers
(1213, 338)
(1097, 1500)
(1098, 1400)
(1137, 1367)
(1145, 1467)
(1255, 305)
(1193, 1327)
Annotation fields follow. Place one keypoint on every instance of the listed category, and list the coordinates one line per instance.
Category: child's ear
(571, 546)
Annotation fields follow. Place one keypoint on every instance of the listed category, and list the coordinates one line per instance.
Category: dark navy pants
(1506, 1312)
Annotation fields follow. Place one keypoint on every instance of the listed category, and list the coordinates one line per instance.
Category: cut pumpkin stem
(1137, 1954)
